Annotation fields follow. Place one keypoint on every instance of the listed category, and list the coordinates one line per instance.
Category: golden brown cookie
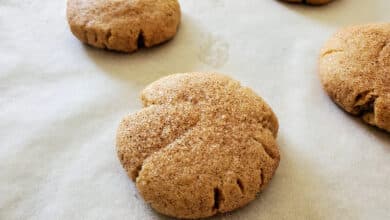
(123, 25)
(355, 71)
(309, 2)
(202, 145)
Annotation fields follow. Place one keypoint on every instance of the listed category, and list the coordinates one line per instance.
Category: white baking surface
(61, 102)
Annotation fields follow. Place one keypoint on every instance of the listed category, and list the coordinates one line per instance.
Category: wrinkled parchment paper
(61, 102)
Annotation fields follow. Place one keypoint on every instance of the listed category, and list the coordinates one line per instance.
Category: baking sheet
(61, 102)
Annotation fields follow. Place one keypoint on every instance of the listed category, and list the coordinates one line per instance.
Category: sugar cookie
(202, 145)
(355, 71)
(123, 25)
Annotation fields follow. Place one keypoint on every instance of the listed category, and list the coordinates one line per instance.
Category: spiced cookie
(123, 25)
(355, 71)
(309, 2)
(202, 145)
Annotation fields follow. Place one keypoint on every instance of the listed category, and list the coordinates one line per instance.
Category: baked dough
(355, 71)
(202, 145)
(123, 25)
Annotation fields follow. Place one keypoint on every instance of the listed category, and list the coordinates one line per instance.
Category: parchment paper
(61, 102)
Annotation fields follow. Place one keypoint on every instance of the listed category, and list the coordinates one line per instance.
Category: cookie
(202, 145)
(309, 2)
(123, 25)
(355, 71)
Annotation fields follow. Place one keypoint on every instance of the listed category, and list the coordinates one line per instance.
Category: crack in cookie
(331, 51)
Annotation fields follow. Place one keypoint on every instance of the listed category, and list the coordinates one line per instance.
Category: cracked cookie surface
(202, 145)
(355, 71)
(123, 25)
(309, 2)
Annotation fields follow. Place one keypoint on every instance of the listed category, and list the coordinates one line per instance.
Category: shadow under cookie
(308, 2)
(178, 55)
(343, 12)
